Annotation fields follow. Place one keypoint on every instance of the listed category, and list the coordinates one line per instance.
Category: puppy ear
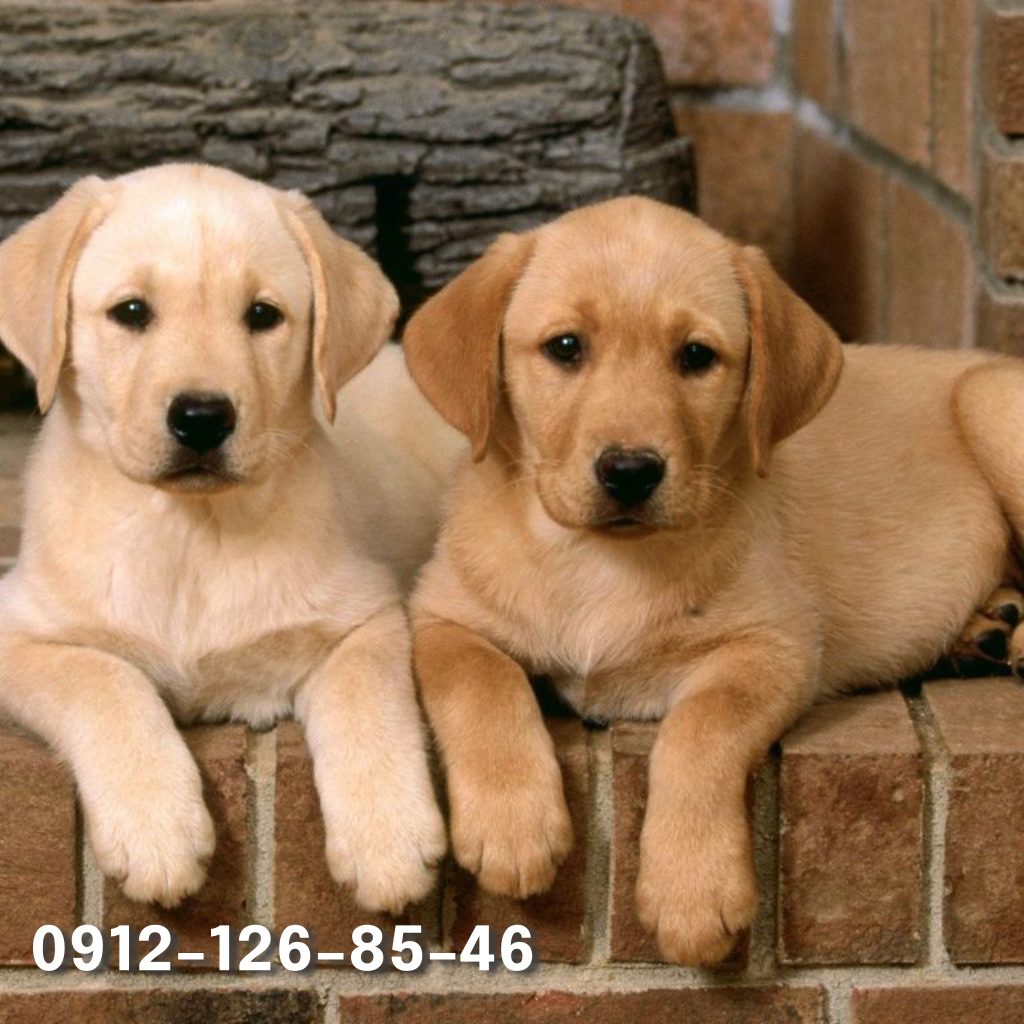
(452, 343)
(795, 358)
(36, 266)
(354, 304)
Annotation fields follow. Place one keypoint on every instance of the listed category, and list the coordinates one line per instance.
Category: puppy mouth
(625, 526)
(204, 473)
(603, 518)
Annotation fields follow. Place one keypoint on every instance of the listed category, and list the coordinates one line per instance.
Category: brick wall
(890, 851)
(869, 146)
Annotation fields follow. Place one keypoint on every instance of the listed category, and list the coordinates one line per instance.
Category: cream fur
(134, 600)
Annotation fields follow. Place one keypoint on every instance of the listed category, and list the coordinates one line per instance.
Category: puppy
(682, 507)
(196, 545)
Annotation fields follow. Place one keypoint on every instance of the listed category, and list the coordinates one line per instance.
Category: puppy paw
(696, 899)
(989, 635)
(985, 638)
(511, 829)
(1005, 604)
(387, 852)
(158, 847)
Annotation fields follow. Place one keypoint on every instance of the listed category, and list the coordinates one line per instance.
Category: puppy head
(630, 360)
(185, 313)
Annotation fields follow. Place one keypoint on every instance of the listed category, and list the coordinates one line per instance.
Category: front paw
(387, 850)
(157, 843)
(511, 829)
(695, 895)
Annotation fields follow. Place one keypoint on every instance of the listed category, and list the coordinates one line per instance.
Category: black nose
(201, 422)
(630, 476)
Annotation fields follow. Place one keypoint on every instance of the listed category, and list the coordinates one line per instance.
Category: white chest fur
(226, 602)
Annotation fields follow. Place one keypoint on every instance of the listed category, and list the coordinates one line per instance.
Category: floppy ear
(795, 358)
(452, 345)
(354, 304)
(36, 266)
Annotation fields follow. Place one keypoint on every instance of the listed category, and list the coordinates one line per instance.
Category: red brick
(1002, 63)
(710, 42)
(815, 51)
(850, 857)
(931, 273)
(225, 1006)
(767, 1005)
(1000, 317)
(37, 845)
(1001, 215)
(305, 893)
(220, 753)
(557, 918)
(838, 243)
(631, 750)
(888, 60)
(628, 940)
(745, 179)
(952, 130)
(966, 1004)
(982, 725)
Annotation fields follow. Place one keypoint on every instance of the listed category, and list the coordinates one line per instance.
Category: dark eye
(134, 314)
(696, 358)
(566, 348)
(262, 316)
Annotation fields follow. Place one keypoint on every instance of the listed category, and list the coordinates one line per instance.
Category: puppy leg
(385, 834)
(140, 787)
(509, 820)
(696, 889)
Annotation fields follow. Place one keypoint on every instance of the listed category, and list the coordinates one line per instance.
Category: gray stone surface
(420, 130)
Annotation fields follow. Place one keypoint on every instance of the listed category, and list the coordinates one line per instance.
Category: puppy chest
(603, 661)
(630, 692)
(218, 636)
(253, 680)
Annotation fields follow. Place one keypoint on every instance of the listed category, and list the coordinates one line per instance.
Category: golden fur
(829, 518)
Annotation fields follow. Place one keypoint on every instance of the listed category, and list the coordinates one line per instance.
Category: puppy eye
(566, 348)
(695, 358)
(134, 314)
(262, 316)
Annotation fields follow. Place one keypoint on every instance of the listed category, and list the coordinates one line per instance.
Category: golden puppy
(682, 507)
(195, 542)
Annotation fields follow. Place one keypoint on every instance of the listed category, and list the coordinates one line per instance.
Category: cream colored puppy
(683, 508)
(196, 546)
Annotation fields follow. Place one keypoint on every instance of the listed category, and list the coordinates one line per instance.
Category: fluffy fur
(819, 527)
(270, 582)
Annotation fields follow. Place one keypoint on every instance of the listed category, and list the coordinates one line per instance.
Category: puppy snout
(628, 475)
(201, 422)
